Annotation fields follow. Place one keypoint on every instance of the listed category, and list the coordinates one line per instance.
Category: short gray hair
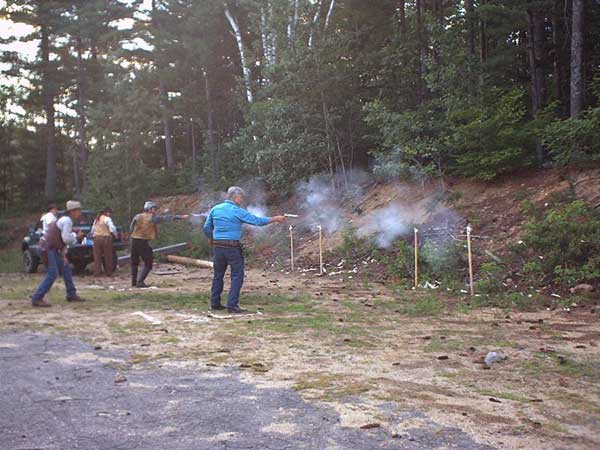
(234, 191)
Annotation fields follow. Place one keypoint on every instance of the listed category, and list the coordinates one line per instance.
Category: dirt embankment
(495, 209)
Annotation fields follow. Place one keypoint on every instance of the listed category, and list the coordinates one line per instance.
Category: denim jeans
(224, 257)
(56, 266)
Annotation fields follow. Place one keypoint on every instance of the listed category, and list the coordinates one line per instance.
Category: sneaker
(141, 285)
(75, 298)
(217, 308)
(40, 304)
(237, 310)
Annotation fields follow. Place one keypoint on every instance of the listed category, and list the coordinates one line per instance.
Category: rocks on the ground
(370, 426)
(120, 378)
(582, 289)
(494, 357)
(494, 400)
(443, 357)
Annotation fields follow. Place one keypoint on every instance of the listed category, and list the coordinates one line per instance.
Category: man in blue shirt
(223, 227)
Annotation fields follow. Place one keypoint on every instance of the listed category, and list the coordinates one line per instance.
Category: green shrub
(490, 280)
(443, 261)
(354, 247)
(563, 246)
(428, 306)
(399, 261)
(576, 139)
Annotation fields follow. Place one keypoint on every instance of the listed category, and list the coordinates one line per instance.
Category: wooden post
(292, 247)
(320, 250)
(470, 252)
(416, 258)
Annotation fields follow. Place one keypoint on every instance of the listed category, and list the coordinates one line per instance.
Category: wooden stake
(292, 246)
(320, 250)
(470, 252)
(416, 258)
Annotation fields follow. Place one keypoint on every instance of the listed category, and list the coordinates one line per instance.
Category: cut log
(190, 261)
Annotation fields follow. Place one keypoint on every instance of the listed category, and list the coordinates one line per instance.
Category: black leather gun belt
(226, 243)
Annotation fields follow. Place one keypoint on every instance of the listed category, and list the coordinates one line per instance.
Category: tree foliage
(122, 100)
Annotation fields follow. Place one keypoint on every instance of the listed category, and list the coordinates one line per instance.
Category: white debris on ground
(194, 319)
(143, 315)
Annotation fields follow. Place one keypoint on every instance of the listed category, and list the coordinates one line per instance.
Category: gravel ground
(60, 393)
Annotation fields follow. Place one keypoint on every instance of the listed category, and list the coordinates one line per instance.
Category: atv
(79, 256)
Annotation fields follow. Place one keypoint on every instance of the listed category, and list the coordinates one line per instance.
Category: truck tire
(30, 261)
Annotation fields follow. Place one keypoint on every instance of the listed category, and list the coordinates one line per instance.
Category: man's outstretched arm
(257, 221)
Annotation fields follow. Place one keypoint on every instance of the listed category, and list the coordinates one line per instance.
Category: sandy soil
(335, 338)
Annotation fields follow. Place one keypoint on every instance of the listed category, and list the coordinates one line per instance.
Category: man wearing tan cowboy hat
(59, 236)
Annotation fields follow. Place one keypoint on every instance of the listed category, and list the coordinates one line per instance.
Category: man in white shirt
(49, 217)
(59, 236)
(104, 231)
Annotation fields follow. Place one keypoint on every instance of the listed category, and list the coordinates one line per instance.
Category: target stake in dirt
(470, 252)
(292, 246)
(416, 258)
(320, 250)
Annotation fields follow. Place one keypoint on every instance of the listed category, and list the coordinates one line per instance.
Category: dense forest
(127, 98)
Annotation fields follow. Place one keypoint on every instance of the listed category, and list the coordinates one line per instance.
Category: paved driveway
(60, 393)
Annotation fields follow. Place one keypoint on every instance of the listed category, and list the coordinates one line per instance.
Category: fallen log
(190, 261)
(126, 259)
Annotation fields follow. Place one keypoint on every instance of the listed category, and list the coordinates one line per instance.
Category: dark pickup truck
(79, 255)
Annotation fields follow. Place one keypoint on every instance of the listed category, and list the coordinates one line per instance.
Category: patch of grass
(428, 306)
(509, 301)
(139, 358)
(129, 328)
(552, 363)
(11, 261)
(439, 345)
(169, 340)
(314, 380)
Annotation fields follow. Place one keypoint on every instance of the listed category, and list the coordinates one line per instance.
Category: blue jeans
(224, 257)
(56, 266)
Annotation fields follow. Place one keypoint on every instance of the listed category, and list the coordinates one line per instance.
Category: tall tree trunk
(329, 14)
(240, 43)
(539, 51)
(76, 172)
(536, 55)
(421, 52)
(401, 8)
(48, 95)
(483, 45)
(163, 101)
(315, 25)
(210, 127)
(264, 36)
(577, 84)
(164, 107)
(192, 134)
(273, 35)
(470, 19)
(558, 43)
(292, 21)
(83, 146)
